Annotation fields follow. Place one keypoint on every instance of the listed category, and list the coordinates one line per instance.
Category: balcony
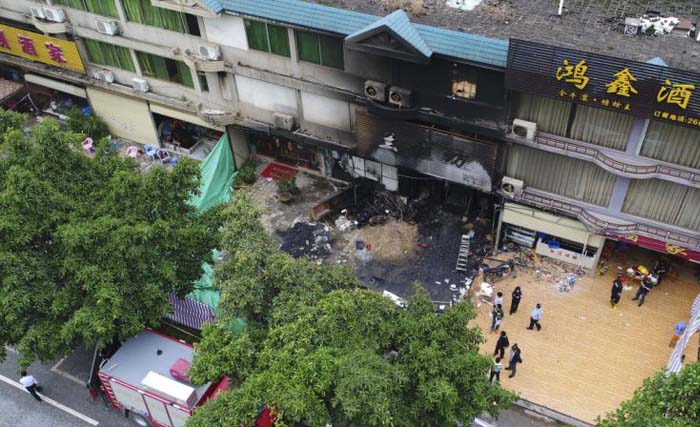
(612, 163)
(217, 117)
(50, 26)
(203, 64)
(602, 224)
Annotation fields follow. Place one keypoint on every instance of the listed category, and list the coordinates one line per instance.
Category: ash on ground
(305, 239)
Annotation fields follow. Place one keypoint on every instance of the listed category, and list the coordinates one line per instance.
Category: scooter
(493, 274)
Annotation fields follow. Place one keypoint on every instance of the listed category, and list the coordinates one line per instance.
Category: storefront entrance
(184, 137)
(287, 151)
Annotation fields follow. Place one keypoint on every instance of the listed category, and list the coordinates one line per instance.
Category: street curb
(551, 413)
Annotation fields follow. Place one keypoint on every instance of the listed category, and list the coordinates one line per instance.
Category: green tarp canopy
(217, 177)
(217, 171)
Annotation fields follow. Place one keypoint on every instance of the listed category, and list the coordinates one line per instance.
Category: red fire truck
(147, 378)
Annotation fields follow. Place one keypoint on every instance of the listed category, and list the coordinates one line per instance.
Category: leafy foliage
(90, 247)
(91, 125)
(319, 350)
(662, 401)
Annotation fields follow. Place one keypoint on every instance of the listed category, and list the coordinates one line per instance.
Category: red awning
(658, 246)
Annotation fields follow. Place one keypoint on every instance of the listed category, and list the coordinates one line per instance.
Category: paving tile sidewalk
(588, 358)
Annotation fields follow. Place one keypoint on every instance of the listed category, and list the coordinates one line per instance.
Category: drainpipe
(561, 6)
(498, 209)
(583, 252)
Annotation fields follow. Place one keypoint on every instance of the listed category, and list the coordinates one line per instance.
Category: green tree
(662, 401)
(320, 350)
(90, 247)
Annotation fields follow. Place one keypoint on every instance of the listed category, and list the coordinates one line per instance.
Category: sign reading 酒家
(641, 89)
(38, 47)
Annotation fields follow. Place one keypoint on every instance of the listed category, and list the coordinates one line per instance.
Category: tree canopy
(663, 401)
(321, 350)
(89, 246)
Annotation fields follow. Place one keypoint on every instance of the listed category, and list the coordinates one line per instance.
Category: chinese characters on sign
(37, 47)
(622, 84)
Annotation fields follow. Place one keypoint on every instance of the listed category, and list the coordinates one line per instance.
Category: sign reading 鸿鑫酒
(38, 47)
(637, 88)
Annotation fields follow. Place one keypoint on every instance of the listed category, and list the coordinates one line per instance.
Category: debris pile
(306, 239)
(384, 205)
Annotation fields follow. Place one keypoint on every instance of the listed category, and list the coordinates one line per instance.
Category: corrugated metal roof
(214, 5)
(399, 23)
(344, 22)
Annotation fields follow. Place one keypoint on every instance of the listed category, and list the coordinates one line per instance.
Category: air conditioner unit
(38, 12)
(55, 15)
(511, 186)
(283, 121)
(97, 74)
(139, 84)
(375, 90)
(110, 28)
(210, 52)
(400, 97)
(107, 76)
(525, 129)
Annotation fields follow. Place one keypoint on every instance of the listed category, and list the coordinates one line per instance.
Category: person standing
(496, 370)
(497, 317)
(513, 360)
(515, 302)
(616, 290)
(644, 288)
(660, 271)
(535, 317)
(501, 345)
(499, 299)
(31, 384)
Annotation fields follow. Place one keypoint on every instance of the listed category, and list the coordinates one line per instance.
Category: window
(320, 49)
(203, 84)
(109, 54)
(267, 38)
(672, 143)
(100, 7)
(664, 201)
(464, 89)
(165, 69)
(143, 12)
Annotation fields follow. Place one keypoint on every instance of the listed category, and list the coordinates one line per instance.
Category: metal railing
(602, 226)
(603, 159)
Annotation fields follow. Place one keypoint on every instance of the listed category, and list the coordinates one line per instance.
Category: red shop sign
(659, 246)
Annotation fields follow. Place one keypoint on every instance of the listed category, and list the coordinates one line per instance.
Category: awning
(554, 225)
(658, 246)
(8, 89)
(57, 85)
(181, 115)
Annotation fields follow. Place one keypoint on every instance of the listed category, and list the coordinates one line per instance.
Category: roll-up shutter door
(127, 118)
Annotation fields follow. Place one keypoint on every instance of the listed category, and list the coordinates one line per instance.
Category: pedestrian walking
(515, 302)
(501, 345)
(496, 370)
(497, 317)
(31, 384)
(513, 360)
(535, 317)
(616, 290)
(499, 299)
(644, 288)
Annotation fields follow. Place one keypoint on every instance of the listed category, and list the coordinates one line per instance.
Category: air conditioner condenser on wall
(400, 97)
(111, 28)
(212, 53)
(375, 90)
(525, 129)
(511, 186)
(37, 12)
(55, 15)
(139, 84)
(283, 121)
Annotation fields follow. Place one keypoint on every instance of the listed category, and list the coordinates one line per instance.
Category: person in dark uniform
(643, 290)
(660, 270)
(616, 290)
(513, 360)
(501, 344)
(515, 302)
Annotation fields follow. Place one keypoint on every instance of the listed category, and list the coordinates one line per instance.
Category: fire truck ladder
(463, 255)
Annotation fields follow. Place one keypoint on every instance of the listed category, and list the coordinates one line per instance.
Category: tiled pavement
(588, 359)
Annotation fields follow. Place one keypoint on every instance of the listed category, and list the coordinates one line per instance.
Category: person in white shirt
(535, 317)
(498, 300)
(31, 384)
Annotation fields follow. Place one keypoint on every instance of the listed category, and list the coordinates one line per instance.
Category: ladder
(463, 255)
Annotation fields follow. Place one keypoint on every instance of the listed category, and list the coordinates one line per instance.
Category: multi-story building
(416, 101)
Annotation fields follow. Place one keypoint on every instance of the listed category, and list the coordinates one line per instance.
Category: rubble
(306, 239)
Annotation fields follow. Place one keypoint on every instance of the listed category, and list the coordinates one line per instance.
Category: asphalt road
(67, 403)
(72, 408)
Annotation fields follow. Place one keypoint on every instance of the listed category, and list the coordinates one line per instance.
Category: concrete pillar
(634, 143)
(617, 199)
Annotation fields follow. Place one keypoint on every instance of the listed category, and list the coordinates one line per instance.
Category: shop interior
(185, 138)
(286, 151)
